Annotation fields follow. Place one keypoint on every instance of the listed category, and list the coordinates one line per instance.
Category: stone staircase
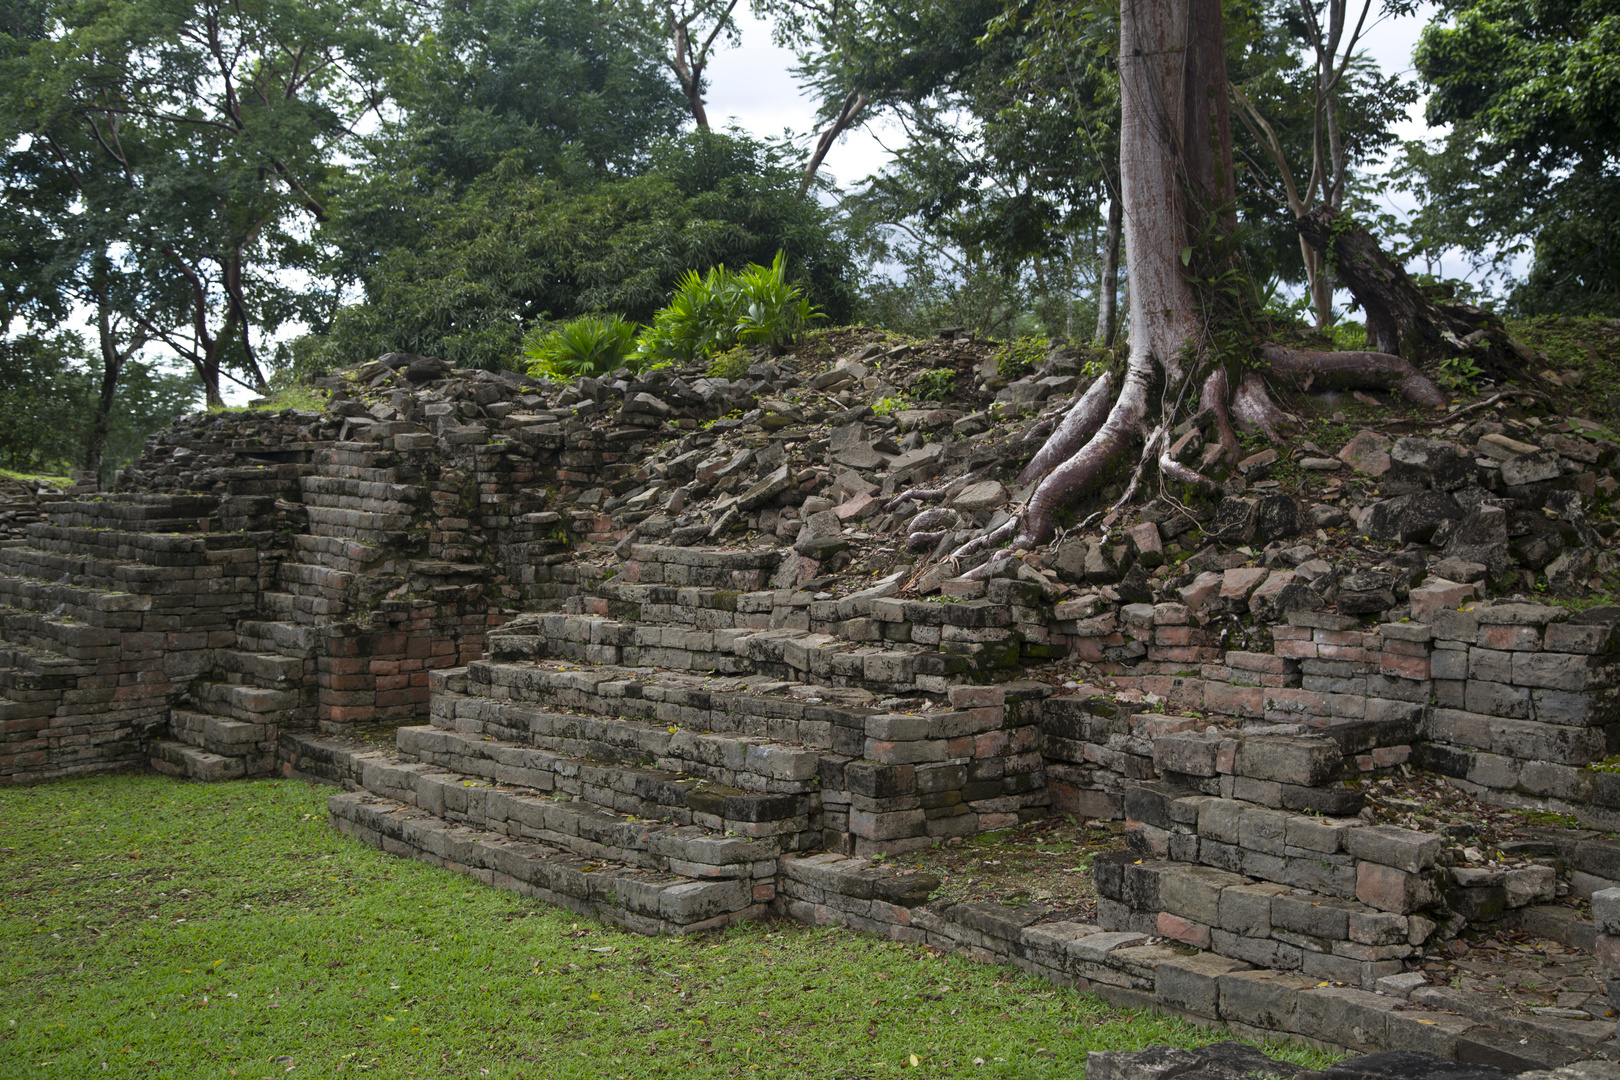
(111, 604)
(683, 735)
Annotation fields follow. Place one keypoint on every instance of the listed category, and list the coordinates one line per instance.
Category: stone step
(644, 900)
(92, 607)
(580, 827)
(273, 670)
(250, 704)
(24, 668)
(350, 556)
(1560, 924)
(795, 655)
(319, 490)
(146, 512)
(285, 638)
(294, 607)
(760, 753)
(1490, 1009)
(55, 634)
(360, 525)
(225, 737)
(193, 763)
(152, 548)
(643, 791)
(813, 717)
(305, 579)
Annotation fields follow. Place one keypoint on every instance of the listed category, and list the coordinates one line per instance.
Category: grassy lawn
(156, 929)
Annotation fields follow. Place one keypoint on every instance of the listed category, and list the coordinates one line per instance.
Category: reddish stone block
(990, 744)
(1386, 756)
(1172, 635)
(1228, 700)
(1510, 638)
(1404, 667)
(1389, 889)
(1184, 930)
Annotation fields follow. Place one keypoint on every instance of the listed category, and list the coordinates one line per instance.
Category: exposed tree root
(1213, 397)
(1040, 429)
(921, 494)
(1252, 407)
(1169, 467)
(1356, 371)
(989, 539)
(924, 541)
(1083, 466)
(1079, 424)
(1534, 395)
(939, 517)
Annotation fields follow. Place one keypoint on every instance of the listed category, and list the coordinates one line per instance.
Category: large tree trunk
(1401, 318)
(1176, 189)
(1108, 287)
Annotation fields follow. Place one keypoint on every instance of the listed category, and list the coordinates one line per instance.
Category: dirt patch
(1045, 863)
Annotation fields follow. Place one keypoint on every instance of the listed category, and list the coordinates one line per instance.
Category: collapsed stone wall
(600, 692)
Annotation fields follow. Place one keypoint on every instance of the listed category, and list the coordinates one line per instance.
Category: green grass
(50, 478)
(157, 929)
(302, 398)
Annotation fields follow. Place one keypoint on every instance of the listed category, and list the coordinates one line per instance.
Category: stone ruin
(650, 649)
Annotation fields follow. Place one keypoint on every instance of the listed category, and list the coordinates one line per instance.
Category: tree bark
(1108, 287)
(112, 363)
(1401, 318)
(853, 104)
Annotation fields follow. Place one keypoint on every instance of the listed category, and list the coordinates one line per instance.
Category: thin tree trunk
(1108, 289)
(112, 363)
(853, 104)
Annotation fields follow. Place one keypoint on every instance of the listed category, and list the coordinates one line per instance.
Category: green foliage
(888, 406)
(1349, 335)
(1531, 93)
(176, 154)
(48, 396)
(732, 364)
(771, 312)
(270, 936)
(1457, 373)
(512, 250)
(714, 312)
(1018, 358)
(589, 345)
(935, 384)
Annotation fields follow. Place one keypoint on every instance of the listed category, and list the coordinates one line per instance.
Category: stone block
(1194, 892)
(1348, 1017)
(1262, 999)
(1190, 984)
(1388, 889)
(1403, 849)
(1307, 761)
(1246, 909)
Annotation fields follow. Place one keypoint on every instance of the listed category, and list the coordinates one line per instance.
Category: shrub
(589, 345)
(714, 312)
(771, 312)
(1018, 358)
(732, 364)
(935, 384)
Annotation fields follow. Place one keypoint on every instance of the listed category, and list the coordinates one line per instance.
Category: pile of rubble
(834, 452)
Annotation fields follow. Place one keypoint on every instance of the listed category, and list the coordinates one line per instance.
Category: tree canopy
(1532, 161)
